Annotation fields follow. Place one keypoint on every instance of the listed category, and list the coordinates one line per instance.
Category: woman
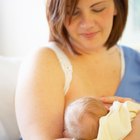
(82, 60)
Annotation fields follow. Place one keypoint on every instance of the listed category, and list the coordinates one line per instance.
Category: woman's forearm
(132, 136)
(135, 133)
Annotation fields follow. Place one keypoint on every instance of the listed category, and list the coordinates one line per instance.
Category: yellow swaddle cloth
(116, 125)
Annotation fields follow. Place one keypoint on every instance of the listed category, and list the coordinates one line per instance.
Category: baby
(82, 118)
(87, 118)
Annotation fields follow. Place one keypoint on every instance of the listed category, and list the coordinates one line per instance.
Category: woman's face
(91, 24)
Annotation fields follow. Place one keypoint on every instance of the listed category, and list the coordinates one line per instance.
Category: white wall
(131, 35)
(23, 26)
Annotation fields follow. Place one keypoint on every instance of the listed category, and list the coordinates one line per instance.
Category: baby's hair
(82, 112)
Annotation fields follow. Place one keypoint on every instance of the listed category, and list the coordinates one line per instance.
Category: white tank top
(67, 66)
(64, 62)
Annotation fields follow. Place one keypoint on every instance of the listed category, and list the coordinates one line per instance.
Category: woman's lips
(89, 35)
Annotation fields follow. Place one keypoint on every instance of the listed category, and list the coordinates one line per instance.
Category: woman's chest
(98, 80)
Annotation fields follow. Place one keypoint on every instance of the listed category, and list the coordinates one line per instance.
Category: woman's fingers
(108, 100)
(107, 106)
(111, 99)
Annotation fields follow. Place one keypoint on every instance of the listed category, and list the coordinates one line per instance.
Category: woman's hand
(135, 133)
(108, 100)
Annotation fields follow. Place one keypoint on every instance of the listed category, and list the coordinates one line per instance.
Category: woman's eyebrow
(68, 6)
(97, 3)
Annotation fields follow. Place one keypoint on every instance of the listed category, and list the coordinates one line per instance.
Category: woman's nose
(87, 21)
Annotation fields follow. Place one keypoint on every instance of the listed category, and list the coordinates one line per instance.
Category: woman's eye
(98, 9)
(75, 13)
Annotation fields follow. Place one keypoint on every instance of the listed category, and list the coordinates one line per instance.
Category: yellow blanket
(116, 125)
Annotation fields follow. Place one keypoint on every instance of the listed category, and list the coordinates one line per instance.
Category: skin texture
(88, 26)
(40, 99)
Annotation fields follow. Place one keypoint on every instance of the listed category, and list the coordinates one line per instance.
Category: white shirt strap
(65, 64)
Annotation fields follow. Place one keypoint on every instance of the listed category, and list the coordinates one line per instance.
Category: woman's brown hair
(56, 11)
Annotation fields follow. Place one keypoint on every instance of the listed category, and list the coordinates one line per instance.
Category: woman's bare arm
(135, 133)
(40, 97)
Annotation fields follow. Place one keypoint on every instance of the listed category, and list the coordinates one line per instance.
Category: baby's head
(82, 118)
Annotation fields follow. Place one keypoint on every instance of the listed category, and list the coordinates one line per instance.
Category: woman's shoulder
(131, 59)
(42, 59)
(48, 53)
(52, 61)
(130, 53)
(41, 56)
(130, 50)
(41, 66)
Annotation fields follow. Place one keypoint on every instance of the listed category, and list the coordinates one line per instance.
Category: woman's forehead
(85, 1)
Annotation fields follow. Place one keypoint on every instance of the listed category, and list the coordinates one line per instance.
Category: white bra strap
(122, 62)
(65, 64)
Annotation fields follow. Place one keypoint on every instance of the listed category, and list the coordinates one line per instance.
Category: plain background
(23, 26)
